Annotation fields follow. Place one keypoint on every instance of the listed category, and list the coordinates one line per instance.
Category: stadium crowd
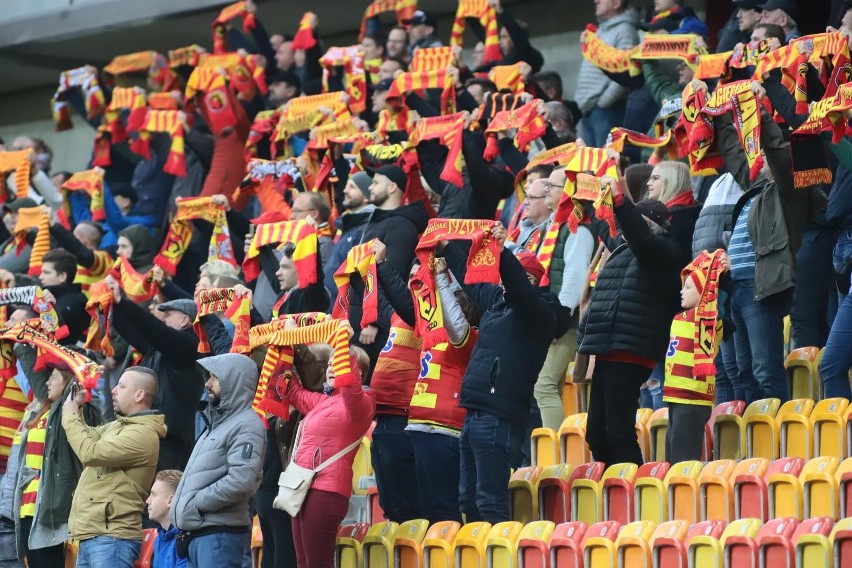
(280, 246)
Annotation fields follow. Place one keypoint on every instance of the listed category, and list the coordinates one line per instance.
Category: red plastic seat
(618, 493)
(566, 545)
(374, 509)
(146, 555)
(733, 407)
(355, 531)
(669, 547)
(599, 543)
(751, 493)
(777, 543)
(554, 493)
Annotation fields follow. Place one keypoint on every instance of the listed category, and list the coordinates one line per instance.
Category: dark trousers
(42, 557)
(315, 528)
(277, 529)
(490, 447)
(685, 433)
(610, 426)
(837, 358)
(396, 473)
(437, 462)
(815, 299)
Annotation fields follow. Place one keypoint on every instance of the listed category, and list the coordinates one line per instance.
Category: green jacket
(120, 460)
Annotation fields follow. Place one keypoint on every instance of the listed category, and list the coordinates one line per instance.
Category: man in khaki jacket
(120, 460)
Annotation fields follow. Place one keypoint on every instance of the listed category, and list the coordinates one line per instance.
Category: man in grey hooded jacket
(211, 504)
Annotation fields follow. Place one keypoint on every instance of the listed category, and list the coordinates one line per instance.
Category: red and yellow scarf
(705, 270)
(545, 251)
(483, 265)
(360, 260)
(261, 129)
(180, 233)
(354, 73)
(404, 9)
(169, 122)
(34, 296)
(185, 56)
(394, 120)
(437, 79)
(448, 129)
(91, 182)
(86, 79)
(125, 98)
(33, 218)
(99, 306)
(235, 10)
(236, 308)
(560, 155)
(299, 233)
(526, 120)
(431, 59)
(138, 287)
(621, 136)
(19, 162)
(304, 38)
(482, 11)
(508, 78)
(583, 187)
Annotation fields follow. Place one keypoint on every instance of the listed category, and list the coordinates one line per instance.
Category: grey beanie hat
(363, 181)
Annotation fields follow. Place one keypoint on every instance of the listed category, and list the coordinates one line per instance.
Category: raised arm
(132, 447)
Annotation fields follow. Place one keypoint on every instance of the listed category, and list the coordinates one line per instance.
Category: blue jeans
(651, 395)
(597, 123)
(842, 257)
(728, 384)
(437, 457)
(396, 475)
(490, 447)
(223, 550)
(837, 358)
(759, 341)
(815, 299)
(107, 551)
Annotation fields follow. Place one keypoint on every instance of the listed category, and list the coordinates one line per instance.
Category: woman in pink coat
(333, 420)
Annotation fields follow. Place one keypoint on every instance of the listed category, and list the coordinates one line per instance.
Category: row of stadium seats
(744, 543)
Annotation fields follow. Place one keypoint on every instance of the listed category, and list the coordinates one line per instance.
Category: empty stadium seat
(554, 493)
(706, 551)
(682, 490)
(668, 548)
(786, 495)
(729, 430)
(643, 422)
(572, 440)
(469, 546)
(544, 447)
(848, 432)
(633, 545)
(802, 376)
(501, 545)
(438, 544)
(795, 431)
(715, 491)
(523, 493)
(829, 423)
(566, 545)
(533, 545)
(844, 487)
(650, 494)
(742, 549)
(408, 544)
(618, 494)
(146, 554)
(572, 398)
(736, 407)
(763, 430)
(377, 546)
(751, 490)
(599, 544)
(657, 428)
(841, 543)
(777, 543)
(814, 548)
(819, 489)
(348, 548)
(587, 495)
(722, 503)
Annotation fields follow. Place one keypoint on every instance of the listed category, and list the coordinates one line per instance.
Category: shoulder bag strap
(338, 455)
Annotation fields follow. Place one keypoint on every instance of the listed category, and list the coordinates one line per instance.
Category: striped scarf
(29, 218)
(185, 56)
(354, 73)
(606, 57)
(163, 101)
(404, 9)
(526, 120)
(86, 79)
(34, 296)
(494, 104)
(361, 261)
(482, 11)
(304, 38)
(570, 209)
(394, 120)
(545, 251)
(138, 287)
(99, 307)
(448, 129)
(321, 135)
(436, 79)
(261, 129)
(228, 13)
(163, 121)
(236, 308)
(705, 270)
(559, 155)
(131, 63)
(180, 233)
(91, 182)
(483, 265)
(508, 78)
(304, 256)
(18, 162)
(619, 136)
(431, 59)
(88, 275)
(125, 98)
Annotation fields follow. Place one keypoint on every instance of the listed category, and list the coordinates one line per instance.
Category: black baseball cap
(748, 4)
(393, 173)
(124, 189)
(421, 18)
(787, 5)
(654, 210)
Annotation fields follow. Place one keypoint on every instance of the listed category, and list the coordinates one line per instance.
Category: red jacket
(331, 423)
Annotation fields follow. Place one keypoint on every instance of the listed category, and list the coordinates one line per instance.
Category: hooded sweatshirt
(225, 468)
(144, 247)
(120, 460)
(594, 89)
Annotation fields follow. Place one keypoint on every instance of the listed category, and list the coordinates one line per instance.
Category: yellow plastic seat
(643, 422)
(802, 375)
(572, 440)
(633, 545)
(708, 552)
(587, 495)
(362, 467)
(469, 546)
(729, 432)
(657, 428)
(572, 397)
(501, 546)
(534, 544)
(819, 489)
(523, 494)
(377, 547)
(544, 447)
(408, 544)
(795, 430)
(682, 490)
(763, 431)
(817, 549)
(716, 490)
(650, 494)
(438, 544)
(786, 496)
(599, 544)
(348, 548)
(829, 424)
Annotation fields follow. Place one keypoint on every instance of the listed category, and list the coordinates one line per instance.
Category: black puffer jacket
(636, 293)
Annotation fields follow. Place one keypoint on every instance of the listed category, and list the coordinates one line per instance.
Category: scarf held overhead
(235, 308)
(299, 233)
(361, 261)
(180, 233)
(92, 183)
(479, 10)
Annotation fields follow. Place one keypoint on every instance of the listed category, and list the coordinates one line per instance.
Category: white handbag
(295, 481)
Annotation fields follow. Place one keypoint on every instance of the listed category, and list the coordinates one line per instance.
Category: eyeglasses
(533, 198)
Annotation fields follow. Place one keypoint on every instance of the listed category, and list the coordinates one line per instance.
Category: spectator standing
(159, 505)
(120, 460)
(781, 13)
(422, 31)
(739, 26)
(58, 271)
(211, 503)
